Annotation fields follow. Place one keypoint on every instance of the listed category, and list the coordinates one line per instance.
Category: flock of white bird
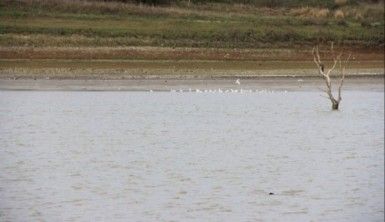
(238, 82)
(219, 90)
(226, 91)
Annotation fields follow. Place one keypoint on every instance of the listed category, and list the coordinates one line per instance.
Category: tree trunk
(335, 105)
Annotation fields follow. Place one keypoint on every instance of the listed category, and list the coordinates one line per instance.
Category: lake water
(169, 156)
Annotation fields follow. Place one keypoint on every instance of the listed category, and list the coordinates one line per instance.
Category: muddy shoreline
(156, 73)
(375, 83)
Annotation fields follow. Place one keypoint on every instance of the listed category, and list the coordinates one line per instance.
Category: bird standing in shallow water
(238, 82)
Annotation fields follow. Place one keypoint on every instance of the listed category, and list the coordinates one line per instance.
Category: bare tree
(326, 74)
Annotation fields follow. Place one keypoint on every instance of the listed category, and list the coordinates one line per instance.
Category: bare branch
(342, 77)
(314, 57)
(335, 61)
(328, 82)
(317, 60)
(318, 57)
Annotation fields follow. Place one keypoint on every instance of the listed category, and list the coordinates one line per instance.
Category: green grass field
(68, 23)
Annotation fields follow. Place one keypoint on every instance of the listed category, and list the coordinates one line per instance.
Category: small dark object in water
(271, 193)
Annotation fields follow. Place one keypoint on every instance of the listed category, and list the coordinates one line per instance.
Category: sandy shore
(278, 83)
(118, 69)
(182, 73)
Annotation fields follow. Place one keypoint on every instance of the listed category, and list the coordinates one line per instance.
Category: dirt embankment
(263, 85)
(169, 53)
(170, 63)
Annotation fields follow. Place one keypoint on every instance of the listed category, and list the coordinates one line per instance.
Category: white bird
(238, 82)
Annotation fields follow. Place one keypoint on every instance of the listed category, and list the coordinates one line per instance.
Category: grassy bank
(113, 40)
(82, 23)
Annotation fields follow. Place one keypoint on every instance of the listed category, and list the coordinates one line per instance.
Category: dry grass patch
(339, 14)
(310, 12)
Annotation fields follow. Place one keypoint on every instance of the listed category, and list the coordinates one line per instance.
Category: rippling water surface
(162, 156)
